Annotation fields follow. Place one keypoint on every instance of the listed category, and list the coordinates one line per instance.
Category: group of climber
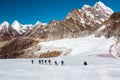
(48, 62)
(55, 62)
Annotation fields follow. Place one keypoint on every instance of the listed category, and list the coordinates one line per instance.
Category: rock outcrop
(111, 27)
(16, 47)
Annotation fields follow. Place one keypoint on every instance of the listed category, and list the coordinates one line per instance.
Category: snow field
(83, 49)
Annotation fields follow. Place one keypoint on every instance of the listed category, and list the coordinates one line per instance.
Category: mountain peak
(4, 26)
(85, 6)
(16, 22)
(16, 25)
(5, 23)
(100, 5)
(38, 22)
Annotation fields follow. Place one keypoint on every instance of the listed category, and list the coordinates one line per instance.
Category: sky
(31, 11)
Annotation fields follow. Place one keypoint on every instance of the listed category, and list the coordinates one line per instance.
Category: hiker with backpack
(85, 63)
(32, 61)
(39, 61)
(45, 62)
(49, 61)
(56, 63)
(62, 62)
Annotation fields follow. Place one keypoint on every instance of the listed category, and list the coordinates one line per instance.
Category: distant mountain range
(7, 31)
(99, 20)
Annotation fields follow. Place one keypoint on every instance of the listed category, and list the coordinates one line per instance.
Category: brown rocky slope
(16, 47)
(111, 27)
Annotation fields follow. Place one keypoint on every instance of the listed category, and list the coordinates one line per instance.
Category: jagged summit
(86, 6)
(17, 26)
(90, 16)
(7, 31)
(40, 23)
(5, 24)
(20, 28)
(101, 6)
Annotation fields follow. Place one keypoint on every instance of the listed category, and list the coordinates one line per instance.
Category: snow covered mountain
(90, 17)
(79, 22)
(20, 27)
(36, 31)
(17, 29)
(23, 28)
(7, 32)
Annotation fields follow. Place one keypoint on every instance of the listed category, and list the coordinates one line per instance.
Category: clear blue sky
(30, 11)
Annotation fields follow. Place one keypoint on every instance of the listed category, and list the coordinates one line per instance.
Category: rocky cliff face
(16, 48)
(111, 27)
(37, 32)
(90, 17)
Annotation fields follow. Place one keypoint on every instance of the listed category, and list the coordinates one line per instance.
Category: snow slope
(97, 69)
(83, 49)
(83, 45)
